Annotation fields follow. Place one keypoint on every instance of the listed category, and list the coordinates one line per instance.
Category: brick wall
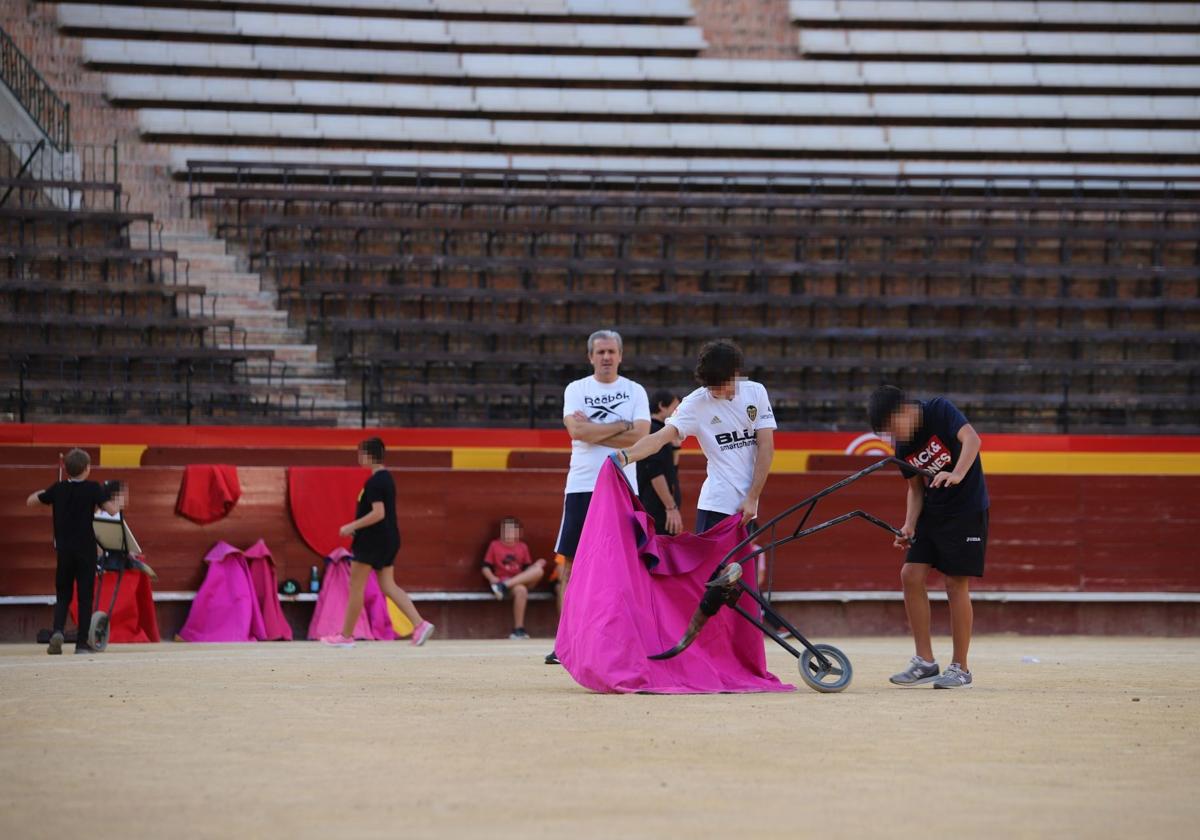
(746, 28)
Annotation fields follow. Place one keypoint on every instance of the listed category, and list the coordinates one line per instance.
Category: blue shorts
(575, 508)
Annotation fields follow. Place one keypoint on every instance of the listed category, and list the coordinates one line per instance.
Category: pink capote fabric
(266, 592)
(616, 612)
(373, 622)
(226, 607)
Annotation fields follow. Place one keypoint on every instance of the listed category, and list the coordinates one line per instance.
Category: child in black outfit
(376, 544)
(75, 501)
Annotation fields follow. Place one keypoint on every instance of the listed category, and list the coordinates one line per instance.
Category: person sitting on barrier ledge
(75, 501)
(509, 569)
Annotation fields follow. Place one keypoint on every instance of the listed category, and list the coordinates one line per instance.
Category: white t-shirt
(727, 431)
(603, 403)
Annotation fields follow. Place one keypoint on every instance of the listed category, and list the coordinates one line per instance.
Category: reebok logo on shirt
(933, 458)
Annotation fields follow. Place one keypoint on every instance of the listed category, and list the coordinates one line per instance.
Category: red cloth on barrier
(266, 590)
(323, 499)
(133, 619)
(208, 492)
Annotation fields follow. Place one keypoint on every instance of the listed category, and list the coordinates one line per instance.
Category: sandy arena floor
(480, 739)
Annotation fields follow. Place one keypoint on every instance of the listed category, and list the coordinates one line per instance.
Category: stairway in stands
(239, 293)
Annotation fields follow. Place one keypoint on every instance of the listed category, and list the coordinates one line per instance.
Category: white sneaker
(918, 672)
(954, 677)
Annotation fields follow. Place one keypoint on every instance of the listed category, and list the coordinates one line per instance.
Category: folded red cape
(208, 492)
(133, 618)
(323, 499)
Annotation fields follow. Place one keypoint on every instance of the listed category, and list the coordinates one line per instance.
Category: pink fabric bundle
(266, 589)
(616, 612)
(226, 608)
(373, 622)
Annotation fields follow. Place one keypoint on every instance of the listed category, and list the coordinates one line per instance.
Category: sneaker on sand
(499, 590)
(519, 633)
(954, 677)
(421, 633)
(918, 672)
(338, 640)
(56, 643)
(83, 650)
(552, 658)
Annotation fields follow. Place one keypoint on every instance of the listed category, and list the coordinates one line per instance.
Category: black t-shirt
(661, 463)
(935, 447)
(75, 504)
(384, 536)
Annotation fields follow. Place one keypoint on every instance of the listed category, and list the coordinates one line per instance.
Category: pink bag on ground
(266, 592)
(226, 607)
(373, 622)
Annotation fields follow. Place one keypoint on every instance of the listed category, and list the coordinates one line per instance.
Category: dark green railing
(52, 115)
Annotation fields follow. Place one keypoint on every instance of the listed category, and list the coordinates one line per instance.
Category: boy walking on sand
(75, 501)
(945, 526)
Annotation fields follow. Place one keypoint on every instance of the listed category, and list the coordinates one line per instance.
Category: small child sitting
(508, 569)
(74, 501)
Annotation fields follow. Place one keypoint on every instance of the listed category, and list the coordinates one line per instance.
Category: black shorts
(705, 519)
(377, 558)
(575, 508)
(953, 545)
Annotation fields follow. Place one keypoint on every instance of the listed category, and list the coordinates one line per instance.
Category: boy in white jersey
(733, 420)
(602, 413)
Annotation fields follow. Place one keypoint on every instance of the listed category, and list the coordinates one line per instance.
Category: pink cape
(226, 607)
(373, 622)
(616, 612)
(266, 592)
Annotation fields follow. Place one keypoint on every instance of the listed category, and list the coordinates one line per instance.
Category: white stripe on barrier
(781, 597)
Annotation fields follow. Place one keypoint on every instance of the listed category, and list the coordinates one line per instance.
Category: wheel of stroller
(98, 633)
(826, 680)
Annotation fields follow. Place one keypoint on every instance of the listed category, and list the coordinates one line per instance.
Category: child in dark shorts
(376, 543)
(946, 523)
(75, 502)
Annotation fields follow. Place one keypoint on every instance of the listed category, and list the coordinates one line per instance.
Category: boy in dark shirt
(946, 523)
(75, 501)
(509, 569)
(658, 477)
(375, 546)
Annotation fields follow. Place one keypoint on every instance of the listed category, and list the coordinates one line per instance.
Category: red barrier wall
(1089, 533)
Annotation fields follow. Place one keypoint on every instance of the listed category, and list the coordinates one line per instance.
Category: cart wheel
(826, 680)
(98, 634)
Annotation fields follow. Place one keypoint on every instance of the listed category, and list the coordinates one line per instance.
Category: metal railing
(47, 109)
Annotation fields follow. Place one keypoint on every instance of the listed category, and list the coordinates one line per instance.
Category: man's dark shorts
(953, 545)
(575, 508)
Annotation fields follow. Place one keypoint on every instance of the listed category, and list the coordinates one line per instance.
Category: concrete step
(288, 352)
(231, 283)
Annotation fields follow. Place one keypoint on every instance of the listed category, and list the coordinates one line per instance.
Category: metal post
(21, 392)
(365, 374)
(532, 399)
(187, 395)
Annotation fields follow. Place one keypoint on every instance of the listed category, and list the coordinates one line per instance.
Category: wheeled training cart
(119, 551)
(823, 667)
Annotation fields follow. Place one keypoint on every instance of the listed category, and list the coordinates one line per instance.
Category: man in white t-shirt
(733, 420)
(602, 412)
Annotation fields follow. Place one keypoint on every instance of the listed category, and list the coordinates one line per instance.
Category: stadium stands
(379, 83)
(996, 199)
(94, 326)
